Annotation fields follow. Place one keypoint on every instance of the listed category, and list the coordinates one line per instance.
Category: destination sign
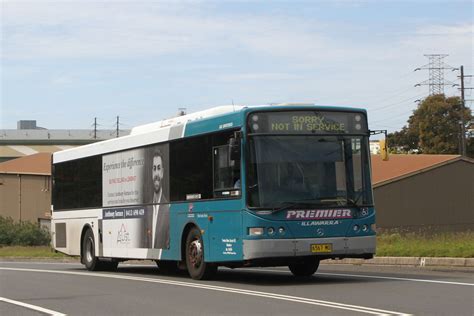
(306, 122)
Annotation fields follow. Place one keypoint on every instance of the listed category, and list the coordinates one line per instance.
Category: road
(67, 288)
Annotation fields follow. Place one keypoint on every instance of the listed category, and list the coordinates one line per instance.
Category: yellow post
(383, 149)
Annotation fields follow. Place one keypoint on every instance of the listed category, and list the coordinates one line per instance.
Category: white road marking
(303, 300)
(368, 277)
(33, 307)
(277, 271)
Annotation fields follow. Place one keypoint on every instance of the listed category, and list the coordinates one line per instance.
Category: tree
(404, 141)
(434, 127)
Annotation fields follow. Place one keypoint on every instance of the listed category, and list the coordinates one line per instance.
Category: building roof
(24, 142)
(55, 135)
(15, 151)
(37, 164)
(402, 166)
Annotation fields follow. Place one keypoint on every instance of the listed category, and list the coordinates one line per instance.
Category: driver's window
(226, 173)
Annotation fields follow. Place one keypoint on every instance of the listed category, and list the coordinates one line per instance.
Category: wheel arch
(187, 228)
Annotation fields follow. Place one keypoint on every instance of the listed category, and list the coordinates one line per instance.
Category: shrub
(22, 233)
(7, 230)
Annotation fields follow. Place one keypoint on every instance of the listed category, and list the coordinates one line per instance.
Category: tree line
(435, 128)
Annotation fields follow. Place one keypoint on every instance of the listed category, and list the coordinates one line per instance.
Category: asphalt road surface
(35, 288)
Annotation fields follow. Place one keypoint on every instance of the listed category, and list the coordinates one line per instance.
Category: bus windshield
(291, 170)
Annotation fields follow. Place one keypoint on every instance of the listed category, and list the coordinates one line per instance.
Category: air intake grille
(60, 235)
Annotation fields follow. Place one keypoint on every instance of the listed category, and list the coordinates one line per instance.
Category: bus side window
(226, 172)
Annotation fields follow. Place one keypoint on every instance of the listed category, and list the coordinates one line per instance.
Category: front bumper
(341, 247)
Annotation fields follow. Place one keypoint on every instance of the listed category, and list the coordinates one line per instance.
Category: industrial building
(25, 188)
(29, 139)
(424, 193)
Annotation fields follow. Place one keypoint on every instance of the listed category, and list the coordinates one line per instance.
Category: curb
(409, 261)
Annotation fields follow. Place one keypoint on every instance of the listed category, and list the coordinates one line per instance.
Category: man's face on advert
(157, 173)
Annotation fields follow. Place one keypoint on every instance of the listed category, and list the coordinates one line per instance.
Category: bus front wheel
(198, 269)
(304, 268)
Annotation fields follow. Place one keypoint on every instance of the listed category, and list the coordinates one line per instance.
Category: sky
(64, 63)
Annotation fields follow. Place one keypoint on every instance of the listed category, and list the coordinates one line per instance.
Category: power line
(396, 94)
(377, 96)
(392, 117)
(397, 103)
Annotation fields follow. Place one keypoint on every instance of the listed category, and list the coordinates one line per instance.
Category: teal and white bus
(235, 186)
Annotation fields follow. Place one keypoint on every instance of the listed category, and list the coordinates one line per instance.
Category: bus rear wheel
(198, 269)
(304, 268)
(89, 258)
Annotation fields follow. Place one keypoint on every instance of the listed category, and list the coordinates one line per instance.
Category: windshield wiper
(353, 202)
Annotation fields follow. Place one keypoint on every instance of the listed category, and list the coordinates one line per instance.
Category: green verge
(29, 252)
(459, 245)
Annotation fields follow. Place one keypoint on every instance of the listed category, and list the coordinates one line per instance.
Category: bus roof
(213, 119)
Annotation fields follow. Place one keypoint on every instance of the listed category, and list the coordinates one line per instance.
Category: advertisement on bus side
(135, 193)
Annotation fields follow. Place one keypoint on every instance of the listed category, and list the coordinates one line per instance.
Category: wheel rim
(89, 249)
(195, 253)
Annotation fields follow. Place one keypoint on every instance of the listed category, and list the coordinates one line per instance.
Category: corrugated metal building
(25, 188)
(424, 192)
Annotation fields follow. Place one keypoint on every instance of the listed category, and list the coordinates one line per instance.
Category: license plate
(321, 248)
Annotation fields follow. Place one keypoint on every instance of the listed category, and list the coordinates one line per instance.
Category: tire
(198, 269)
(167, 267)
(89, 259)
(305, 268)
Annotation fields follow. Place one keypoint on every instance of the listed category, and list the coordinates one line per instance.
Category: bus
(233, 186)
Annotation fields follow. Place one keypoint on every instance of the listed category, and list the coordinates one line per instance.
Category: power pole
(463, 107)
(436, 68)
(95, 127)
(118, 126)
(463, 128)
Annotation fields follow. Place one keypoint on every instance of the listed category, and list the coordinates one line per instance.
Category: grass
(29, 252)
(388, 244)
(416, 245)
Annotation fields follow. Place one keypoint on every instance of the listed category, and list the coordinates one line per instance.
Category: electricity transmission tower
(436, 67)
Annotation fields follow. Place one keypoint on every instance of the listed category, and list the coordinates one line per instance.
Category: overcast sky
(65, 62)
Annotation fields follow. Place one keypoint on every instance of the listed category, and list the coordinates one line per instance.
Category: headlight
(255, 231)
